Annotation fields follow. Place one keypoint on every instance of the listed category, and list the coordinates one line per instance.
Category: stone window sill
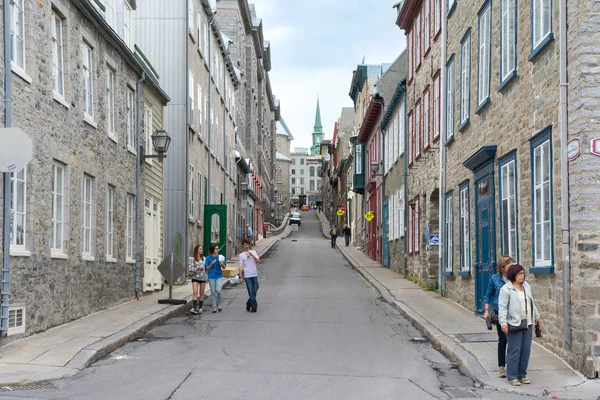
(60, 256)
(61, 100)
(90, 121)
(19, 253)
(111, 260)
(88, 258)
(20, 72)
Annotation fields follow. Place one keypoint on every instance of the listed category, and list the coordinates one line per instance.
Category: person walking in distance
(333, 233)
(198, 279)
(497, 281)
(516, 313)
(347, 232)
(215, 267)
(249, 274)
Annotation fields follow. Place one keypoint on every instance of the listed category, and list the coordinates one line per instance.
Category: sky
(315, 46)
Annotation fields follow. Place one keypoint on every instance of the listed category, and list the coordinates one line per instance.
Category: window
(485, 54)
(110, 13)
(410, 137)
(450, 99)
(541, 26)
(191, 16)
(127, 25)
(541, 161)
(58, 208)
(302, 181)
(88, 82)
(508, 207)
(200, 26)
(206, 38)
(312, 171)
(130, 119)
(416, 228)
(449, 233)
(302, 161)
(199, 110)
(16, 320)
(191, 192)
(312, 185)
(110, 99)
(401, 131)
(57, 55)
(18, 210)
(465, 234)
(279, 173)
(293, 181)
(199, 188)
(191, 98)
(129, 228)
(426, 26)
(17, 33)
(147, 132)
(418, 129)
(426, 119)
(110, 223)
(301, 190)
(409, 43)
(436, 107)
(400, 212)
(508, 40)
(293, 172)
(451, 4)
(318, 185)
(87, 229)
(359, 159)
(437, 17)
(418, 41)
(293, 161)
(302, 171)
(465, 78)
(411, 238)
(318, 171)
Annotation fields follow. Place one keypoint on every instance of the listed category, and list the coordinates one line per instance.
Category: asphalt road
(321, 332)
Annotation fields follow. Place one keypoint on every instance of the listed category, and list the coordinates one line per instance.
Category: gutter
(7, 177)
(138, 182)
(442, 177)
(564, 172)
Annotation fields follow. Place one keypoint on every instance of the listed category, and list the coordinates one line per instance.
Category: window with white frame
(508, 208)
(87, 220)
(130, 115)
(191, 98)
(465, 77)
(410, 46)
(401, 132)
(418, 41)
(127, 24)
(542, 201)
(110, 12)
(410, 138)
(426, 118)
(418, 129)
(18, 210)
(485, 54)
(541, 26)
(147, 132)
(400, 212)
(191, 16)
(191, 177)
(393, 137)
(279, 173)
(450, 76)
(359, 159)
(199, 27)
(129, 228)
(206, 39)
(426, 26)
(17, 33)
(211, 130)
(110, 99)
(411, 243)
(416, 231)
(110, 223)
(57, 55)
(88, 81)
(199, 190)
(436, 107)
(437, 16)
(465, 234)
(451, 4)
(58, 208)
(449, 233)
(200, 105)
(508, 38)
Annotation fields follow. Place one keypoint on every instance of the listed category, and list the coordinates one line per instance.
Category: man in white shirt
(249, 274)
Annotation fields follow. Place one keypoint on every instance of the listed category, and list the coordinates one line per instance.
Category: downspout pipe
(186, 135)
(564, 172)
(138, 182)
(405, 194)
(442, 172)
(7, 177)
(209, 120)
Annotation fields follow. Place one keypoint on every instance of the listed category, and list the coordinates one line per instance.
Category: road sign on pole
(369, 216)
(340, 213)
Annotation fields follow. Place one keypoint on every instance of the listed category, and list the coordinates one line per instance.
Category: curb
(467, 363)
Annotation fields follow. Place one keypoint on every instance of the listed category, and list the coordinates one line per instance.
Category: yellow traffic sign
(340, 213)
(369, 216)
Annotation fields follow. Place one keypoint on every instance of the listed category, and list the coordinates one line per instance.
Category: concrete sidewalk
(452, 328)
(67, 349)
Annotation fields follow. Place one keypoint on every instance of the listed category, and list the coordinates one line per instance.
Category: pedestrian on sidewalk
(517, 311)
(249, 274)
(198, 279)
(497, 281)
(333, 233)
(215, 267)
(347, 232)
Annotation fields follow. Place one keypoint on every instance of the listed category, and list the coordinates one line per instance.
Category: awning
(370, 119)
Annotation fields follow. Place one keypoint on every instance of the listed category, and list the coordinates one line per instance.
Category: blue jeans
(333, 239)
(519, 350)
(252, 286)
(347, 237)
(215, 291)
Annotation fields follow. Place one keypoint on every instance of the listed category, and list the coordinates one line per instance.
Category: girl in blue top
(214, 268)
(490, 299)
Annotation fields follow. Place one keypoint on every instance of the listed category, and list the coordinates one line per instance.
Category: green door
(215, 228)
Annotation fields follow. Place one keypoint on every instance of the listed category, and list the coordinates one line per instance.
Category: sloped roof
(281, 157)
(283, 130)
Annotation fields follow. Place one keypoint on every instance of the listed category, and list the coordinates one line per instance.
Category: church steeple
(317, 131)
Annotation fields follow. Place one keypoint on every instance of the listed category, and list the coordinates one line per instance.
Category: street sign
(16, 150)
(369, 216)
(434, 239)
(573, 149)
(340, 213)
(595, 146)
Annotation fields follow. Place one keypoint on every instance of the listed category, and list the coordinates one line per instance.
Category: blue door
(385, 229)
(485, 265)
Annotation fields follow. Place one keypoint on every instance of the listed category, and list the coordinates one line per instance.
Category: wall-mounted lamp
(413, 207)
(160, 143)
(374, 169)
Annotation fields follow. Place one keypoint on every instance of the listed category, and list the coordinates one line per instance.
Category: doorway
(485, 265)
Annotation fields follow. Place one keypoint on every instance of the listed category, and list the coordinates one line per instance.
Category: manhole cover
(36, 386)
(477, 337)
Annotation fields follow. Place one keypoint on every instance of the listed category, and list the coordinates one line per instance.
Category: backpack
(334, 232)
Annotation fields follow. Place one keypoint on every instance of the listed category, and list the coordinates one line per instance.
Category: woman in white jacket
(516, 313)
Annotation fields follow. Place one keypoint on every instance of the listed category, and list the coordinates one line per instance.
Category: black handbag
(523, 326)
(494, 316)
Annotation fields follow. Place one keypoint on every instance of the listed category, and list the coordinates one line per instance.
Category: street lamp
(160, 142)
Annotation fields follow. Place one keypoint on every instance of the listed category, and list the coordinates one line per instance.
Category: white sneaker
(193, 311)
(199, 310)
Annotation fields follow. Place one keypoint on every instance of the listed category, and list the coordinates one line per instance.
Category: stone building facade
(75, 85)
(282, 170)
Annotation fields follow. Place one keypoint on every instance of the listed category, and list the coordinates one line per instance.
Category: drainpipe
(186, 202)
(210, 127)
(225, 152)
(138, 182)
(405, 194)
(442, 178)
(7, 177)
(564, 172)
